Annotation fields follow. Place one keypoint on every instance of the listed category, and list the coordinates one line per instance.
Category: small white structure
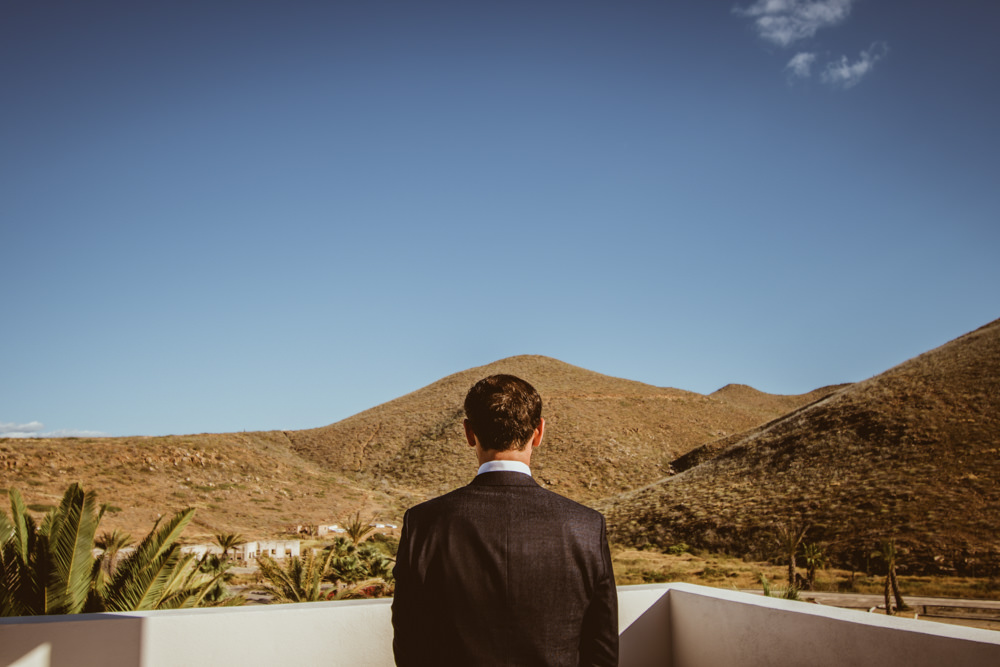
(382, 526)
(202, 550)
(327, 529)
(277, 549)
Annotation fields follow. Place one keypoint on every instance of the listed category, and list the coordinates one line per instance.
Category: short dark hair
(503, 411)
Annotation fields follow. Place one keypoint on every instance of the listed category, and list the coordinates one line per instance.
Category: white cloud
(784, 22)
(14, 430)
(845, 74)
(801, 64)
(73, 433)
(37, 430)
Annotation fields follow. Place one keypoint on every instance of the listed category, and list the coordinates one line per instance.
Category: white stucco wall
(711, 627)
(666, 625)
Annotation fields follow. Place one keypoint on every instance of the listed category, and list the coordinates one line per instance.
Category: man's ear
(536, 437)
(469, 435)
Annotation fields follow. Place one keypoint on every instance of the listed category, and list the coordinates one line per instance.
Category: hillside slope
(252, 483)
(758, 403)
(913, 453)
(603, 434)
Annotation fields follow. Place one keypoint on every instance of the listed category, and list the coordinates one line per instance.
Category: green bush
(387, 544)
(677, 549)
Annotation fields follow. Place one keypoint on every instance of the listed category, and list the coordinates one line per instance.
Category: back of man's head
(503, 411)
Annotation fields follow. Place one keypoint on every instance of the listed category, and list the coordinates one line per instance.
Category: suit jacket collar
(503, 478)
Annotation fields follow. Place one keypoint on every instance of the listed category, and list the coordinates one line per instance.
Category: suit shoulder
(435, 505)
(570, 507)
(464, 497)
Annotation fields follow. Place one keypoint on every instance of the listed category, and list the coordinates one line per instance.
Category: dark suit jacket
(504, 572)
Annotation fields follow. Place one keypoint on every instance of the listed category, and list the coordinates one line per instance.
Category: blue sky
(223, 216)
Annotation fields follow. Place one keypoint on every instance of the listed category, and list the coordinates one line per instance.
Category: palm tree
(300, 580)
(213, 565)
(50, 568)
(354, 572)
(343, 564)
(348, 564)
(888, 553)
(357, 529)
(111, 545)
(228, 541)
(376, 564)
(789, 538)
(157, 575)
(814, 555)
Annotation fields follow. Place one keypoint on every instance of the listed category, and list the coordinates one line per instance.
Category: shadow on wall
(42, 641)
(646, 642)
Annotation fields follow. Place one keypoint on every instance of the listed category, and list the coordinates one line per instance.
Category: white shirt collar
(510, 466)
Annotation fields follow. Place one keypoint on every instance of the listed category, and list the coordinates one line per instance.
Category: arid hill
(752, 400)
(913, 454)
(765, 405)
(604, 435)
(251, 483)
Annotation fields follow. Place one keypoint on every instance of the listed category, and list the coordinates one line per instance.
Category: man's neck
(499, 465)
(522, 455)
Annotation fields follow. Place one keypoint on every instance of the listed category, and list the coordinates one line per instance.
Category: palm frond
(300, 580)
(70, 530)
(6, 528)
(13, 575)
(139, 585)
(23, 589)
(23, 525)
(194, 594)
(140, 578)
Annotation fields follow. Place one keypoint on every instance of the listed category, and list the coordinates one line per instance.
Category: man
(502, 571)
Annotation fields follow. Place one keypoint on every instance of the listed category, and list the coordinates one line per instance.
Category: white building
(277, 549)
(202, 550)
(329, 529)
(248, 551)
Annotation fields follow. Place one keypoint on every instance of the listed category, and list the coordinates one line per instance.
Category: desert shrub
(790, 593)
(650, 576)
(714, 572)
(387, 544)
(677, 549)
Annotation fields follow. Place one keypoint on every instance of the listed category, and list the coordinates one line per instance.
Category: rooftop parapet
(668, 625)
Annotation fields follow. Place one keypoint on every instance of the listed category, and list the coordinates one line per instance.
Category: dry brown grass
(913, 454)
(251, 483)
(634, 566)
(604, 435)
